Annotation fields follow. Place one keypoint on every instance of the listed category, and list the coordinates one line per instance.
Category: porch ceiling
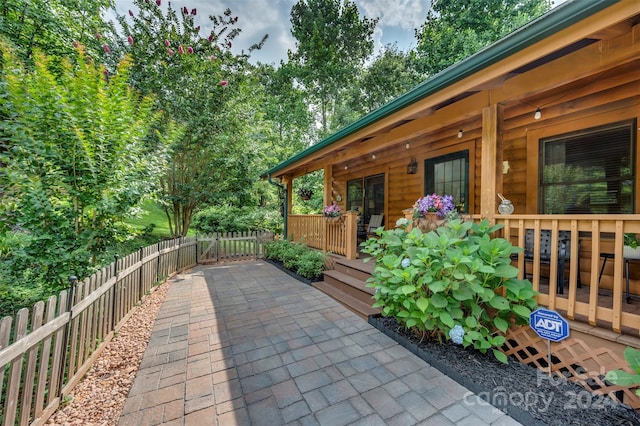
(508, 71)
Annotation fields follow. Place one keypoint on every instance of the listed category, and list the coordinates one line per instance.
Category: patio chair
(564, 253)
(375, 221)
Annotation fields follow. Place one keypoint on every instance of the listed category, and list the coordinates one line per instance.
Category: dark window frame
(429, 178)
(603, 134)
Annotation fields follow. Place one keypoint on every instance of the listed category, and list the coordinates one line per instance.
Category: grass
(152, 213)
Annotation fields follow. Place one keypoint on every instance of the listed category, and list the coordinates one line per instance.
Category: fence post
(115, 293)
(73, 280)
(141, 275)
(158, 265)
(197, 249)
(178, 254)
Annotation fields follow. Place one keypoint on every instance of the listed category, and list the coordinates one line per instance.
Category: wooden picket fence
(229, 246)
(45, 353)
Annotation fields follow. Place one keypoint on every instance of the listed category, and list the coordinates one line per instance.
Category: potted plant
(305, 193)
(332, 212)
(631, 248)
(432, 211)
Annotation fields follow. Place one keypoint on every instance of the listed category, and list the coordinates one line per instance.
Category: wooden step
(353, 304)
(355, 268)
(350, 285)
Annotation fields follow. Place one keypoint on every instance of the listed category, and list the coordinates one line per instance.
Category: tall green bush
(235, 219)
(76, 158)
(455, 282)
(297, 257)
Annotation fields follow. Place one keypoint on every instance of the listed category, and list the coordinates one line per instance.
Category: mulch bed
(525, 393)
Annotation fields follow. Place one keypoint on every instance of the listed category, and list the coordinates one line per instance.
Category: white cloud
(259, 17)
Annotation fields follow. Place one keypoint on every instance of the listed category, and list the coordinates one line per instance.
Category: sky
(398, 20)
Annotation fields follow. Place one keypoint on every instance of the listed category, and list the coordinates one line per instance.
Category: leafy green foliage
(235, 219)
(455, 275)
(332, 43)
(76, 159)
(200, 84)
(456, 29)
(297, 257)
(624, 378)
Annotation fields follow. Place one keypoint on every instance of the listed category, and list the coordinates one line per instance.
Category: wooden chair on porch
(564, 253)
(374, 223)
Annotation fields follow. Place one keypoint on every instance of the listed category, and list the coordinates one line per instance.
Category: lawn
(152, 214)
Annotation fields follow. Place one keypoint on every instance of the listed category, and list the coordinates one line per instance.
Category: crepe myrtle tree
(196, 81)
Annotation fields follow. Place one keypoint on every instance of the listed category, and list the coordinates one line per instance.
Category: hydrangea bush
(455, 282)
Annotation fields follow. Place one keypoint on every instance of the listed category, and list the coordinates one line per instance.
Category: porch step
(350, 285)
(355, 305)
(355, 268)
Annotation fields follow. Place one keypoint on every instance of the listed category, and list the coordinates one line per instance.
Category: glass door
(366, 195)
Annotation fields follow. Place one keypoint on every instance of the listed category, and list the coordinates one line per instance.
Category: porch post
(351, 235)
(491, 162)
(328, 185)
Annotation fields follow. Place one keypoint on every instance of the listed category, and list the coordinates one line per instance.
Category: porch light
(459, 133)
(538, 114)
(373, 156)
(407, 145)
(412, 168)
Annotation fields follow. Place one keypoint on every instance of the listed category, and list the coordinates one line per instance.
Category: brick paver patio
(246, 344)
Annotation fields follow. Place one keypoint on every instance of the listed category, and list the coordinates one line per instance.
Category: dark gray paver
(245, 344)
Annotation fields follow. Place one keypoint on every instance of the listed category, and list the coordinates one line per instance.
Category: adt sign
(549, 325)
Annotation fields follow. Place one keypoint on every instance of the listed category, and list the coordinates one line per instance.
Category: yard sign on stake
(550, 326)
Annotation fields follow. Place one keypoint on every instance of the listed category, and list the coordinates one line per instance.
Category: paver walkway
(246, 344)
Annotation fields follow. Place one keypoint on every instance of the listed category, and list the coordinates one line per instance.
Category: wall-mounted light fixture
(412, 167)
(407, 145)
(459, 133)
(346, 167)
(373, 156)
(538, 114)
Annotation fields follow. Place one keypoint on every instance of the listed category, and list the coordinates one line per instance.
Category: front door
(366, 195)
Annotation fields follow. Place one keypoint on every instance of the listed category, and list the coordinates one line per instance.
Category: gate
(230, 246)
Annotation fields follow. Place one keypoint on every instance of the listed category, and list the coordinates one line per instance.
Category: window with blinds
(590, 171)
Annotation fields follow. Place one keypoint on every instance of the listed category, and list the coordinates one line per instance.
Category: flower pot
(428, 222)
(332, 219)
(629, 252)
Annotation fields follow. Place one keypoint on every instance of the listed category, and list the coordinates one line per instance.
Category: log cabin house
(547, 116)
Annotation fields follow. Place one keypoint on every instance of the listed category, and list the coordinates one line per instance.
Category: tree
(332, 44)
(197, 82)
(76, 158)
(52, 26)
(456, 29)
(390, 74)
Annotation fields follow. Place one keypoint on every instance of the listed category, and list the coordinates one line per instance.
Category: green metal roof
(546, 25)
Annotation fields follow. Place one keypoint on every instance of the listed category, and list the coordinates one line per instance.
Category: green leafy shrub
(624, 378)
(236, 219)
(455, 282)
(297, 257)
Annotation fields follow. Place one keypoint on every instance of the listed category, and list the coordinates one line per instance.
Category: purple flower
(106, 48)
(434, 203)
(130, 40)
(332, 211)
(198, 28)
(167, 42)
(130, 13)
(98, 36)
(224, 83)
(190, 49)
(181, 50)
(170, 52)
(193, 12)
(229, 44)
(185, 10)
(210, 37)
(158, 2)
(213, 58)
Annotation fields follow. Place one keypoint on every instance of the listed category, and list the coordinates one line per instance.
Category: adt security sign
(549, 325)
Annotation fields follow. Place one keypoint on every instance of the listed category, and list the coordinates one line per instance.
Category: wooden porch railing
(315, 231)
(600, 301)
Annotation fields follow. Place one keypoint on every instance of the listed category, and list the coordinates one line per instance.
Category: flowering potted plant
(431, 211)
(332, 212)
(441, 205)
